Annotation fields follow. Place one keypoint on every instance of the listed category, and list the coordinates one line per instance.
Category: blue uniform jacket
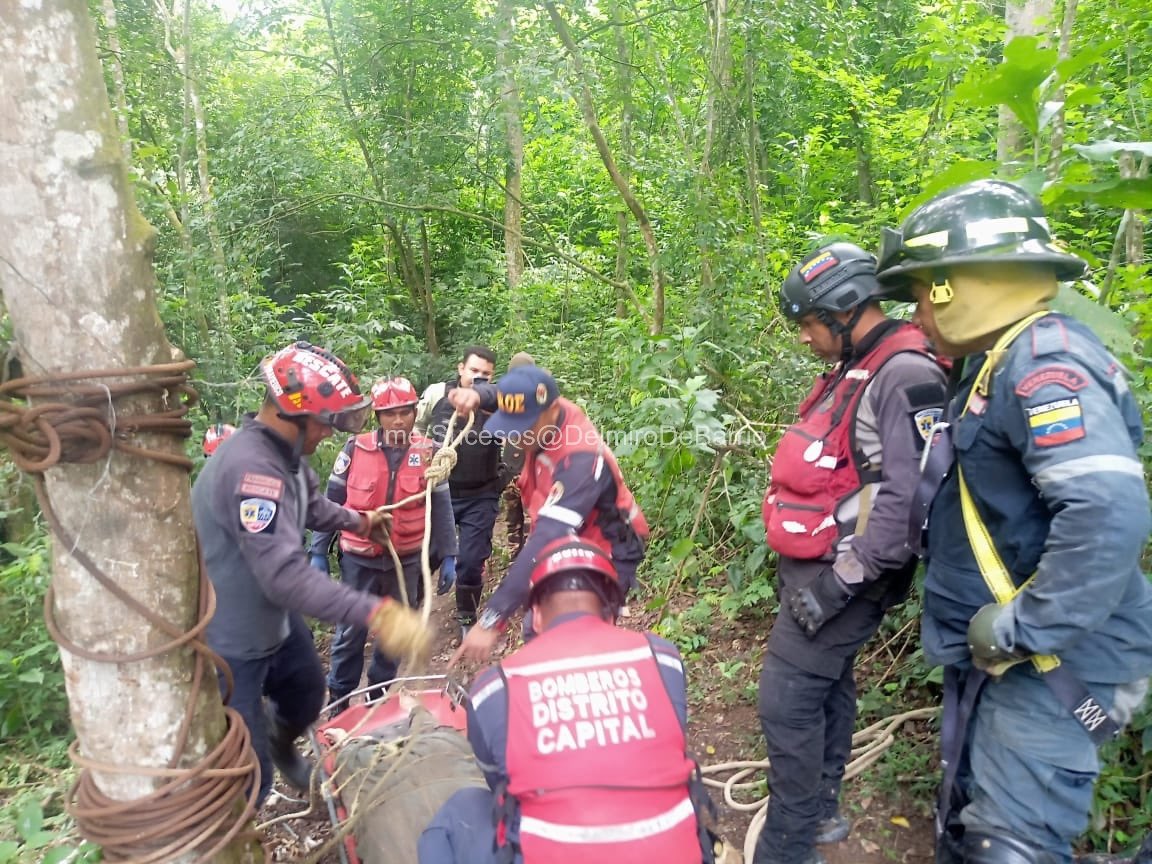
(1051, 460)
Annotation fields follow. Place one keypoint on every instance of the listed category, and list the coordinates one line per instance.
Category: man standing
(476, 481)
(581, 737)
(251, 504)
(1034, 539)
(836, 513)
(570, 484)
(380, 469)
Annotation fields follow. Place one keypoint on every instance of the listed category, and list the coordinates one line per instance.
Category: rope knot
(443, 461)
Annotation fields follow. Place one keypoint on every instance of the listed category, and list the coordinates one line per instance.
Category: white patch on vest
(599, 469)
(413, 460)
(256, 514)
(861, 374)
(554, 495)
(341, 464)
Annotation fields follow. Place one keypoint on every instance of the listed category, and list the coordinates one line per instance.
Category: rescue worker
(214, 436)
(836, 513)
(476, 481)
(581, 735)
(251, 504)
(570, 484)
(1034, 538)
(513, 459)
(379, 469)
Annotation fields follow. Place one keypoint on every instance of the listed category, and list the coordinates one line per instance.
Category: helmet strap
(301, 424)
(843, 329)
(941, 291)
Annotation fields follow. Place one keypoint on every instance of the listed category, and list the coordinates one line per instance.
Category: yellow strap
(991, 565)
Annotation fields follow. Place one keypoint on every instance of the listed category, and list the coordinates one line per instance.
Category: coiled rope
(195, 809)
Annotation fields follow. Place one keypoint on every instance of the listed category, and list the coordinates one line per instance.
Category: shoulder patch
(1056, 422)
(340, 466)
(262, 485)
(1061, 376)
(925, 420)
(1049, 336)
(256, 514)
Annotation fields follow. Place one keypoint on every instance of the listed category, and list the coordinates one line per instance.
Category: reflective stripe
(489, 689)
(632, 655)
(669, 661)
(1074, 468)
(620, 833)
(561, 514)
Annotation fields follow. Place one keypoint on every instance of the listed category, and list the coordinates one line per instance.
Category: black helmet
(987, 220)
(834, 278)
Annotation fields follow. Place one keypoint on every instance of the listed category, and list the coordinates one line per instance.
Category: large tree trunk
(514, 164)
(75, 271)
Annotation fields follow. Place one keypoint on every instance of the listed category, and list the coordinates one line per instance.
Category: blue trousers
(463, 831)
(475, 520)
(348, 643)
(292, 680)
(808, 722)
(1032, 765)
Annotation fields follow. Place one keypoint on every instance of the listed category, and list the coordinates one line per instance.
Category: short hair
(481, 351)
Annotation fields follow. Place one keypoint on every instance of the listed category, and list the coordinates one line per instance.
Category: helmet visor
(350, 420)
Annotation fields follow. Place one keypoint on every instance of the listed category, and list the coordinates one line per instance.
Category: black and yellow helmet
(978, 222)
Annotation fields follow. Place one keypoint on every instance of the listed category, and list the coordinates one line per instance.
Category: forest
(617, 187)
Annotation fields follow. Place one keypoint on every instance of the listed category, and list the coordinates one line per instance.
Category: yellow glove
(399, 632)
(377, 525)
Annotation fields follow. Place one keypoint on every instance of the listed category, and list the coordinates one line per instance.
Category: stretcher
(385, 765)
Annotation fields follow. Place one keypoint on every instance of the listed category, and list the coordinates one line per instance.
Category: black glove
(815, 604)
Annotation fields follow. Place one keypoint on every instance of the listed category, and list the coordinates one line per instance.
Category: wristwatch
(490, 620)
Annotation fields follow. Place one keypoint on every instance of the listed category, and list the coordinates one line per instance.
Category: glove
(987, 653)
(399, 632)
(379, 526)
(447, 575)
(320, 562)
(814, 605)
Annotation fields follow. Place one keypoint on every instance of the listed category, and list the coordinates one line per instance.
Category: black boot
(989, 846)
(832, 830)
(291, 764)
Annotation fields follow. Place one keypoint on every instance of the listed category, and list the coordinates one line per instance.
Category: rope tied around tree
(76, 421)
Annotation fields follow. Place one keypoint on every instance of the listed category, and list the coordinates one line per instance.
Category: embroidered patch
(341, 464)
(413, 460)
(256, 514)
(818, 265)
(262, 486)
(925, 420)
(1056, 422)
(1061, 376)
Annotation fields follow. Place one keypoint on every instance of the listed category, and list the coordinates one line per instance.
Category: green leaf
(681, 549)
(55, 856)
(1104, 150)
(962, 171)
(8, 849)
(32, 676)
(29, 819)
(1110, 327)
(1133, 193)
(1145, 743)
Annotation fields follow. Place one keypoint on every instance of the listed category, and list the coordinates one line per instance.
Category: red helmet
(586, 567)
(388, 393)
(216, 433)
(307, 381)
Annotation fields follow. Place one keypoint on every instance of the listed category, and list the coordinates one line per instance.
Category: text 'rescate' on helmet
(389, 393)
(835, 278)
(215, 435)
(308, 381)
(979, 222)
(568, 564)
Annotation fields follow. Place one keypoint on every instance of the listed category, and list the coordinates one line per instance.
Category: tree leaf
(29, 820)
(1110, 327)
(1104, 150)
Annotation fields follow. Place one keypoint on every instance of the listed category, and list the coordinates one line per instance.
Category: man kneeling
(580, 735)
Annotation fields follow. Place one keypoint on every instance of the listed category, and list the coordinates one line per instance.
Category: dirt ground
(888, 824)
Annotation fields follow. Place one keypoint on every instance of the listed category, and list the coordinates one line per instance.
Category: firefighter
(251, 504)
(570, 484)
(836, 513)
(513, 459)
(581, 737)
(1034, 601)
(380, 469)
(215, 435)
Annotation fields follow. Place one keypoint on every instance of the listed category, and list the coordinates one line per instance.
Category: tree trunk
(1056, 149)
(623, 224)
(588, 108)
(514, 154)
(75, 271)
(1024, 18)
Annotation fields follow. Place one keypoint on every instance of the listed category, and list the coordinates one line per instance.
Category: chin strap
(842, 329)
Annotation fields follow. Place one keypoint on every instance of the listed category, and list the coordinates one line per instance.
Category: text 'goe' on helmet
(979, 222)
(834, 278)
(308, 381)
(389, 393)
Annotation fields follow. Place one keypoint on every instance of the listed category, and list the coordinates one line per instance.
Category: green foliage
(45, 838)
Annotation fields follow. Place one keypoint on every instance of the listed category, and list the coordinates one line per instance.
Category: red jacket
(817, 464)
(372, 484)
(596, 753)
(577, 435)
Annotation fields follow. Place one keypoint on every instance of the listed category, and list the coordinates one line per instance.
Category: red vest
(577, 435)
(817, 465)
(371, 484)
(596, 755)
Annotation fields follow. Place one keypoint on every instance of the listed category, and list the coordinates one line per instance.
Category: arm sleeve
(276, 556)
(488, 725)
(1077, 447)
(672, 673)
(443, 539)
(487, 393)
(579, 488)
(908, 395)
(337, 493)
(428, 400)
